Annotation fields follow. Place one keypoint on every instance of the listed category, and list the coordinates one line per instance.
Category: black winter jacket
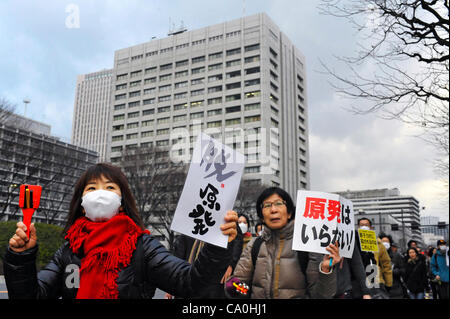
(416, 275)
(162, 270)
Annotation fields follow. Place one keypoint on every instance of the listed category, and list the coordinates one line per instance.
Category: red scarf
(107, 248)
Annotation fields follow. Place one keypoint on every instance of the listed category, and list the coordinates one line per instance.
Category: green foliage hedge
(50, 238)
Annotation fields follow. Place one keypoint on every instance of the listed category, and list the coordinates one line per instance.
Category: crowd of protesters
(120, 259)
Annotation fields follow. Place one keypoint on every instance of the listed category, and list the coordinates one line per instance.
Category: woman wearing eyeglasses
(271, 268)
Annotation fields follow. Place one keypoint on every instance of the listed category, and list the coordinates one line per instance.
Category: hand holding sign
(332, 259)
(229, 228)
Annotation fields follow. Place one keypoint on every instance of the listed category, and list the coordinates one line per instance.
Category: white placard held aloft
(209, 192)
(321, 219)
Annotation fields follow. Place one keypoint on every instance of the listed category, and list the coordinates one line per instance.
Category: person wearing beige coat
(277, 272)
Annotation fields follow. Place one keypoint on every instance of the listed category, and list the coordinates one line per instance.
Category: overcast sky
(40, 58)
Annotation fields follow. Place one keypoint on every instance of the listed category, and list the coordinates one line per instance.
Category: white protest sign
(209, 192)
(321, 219)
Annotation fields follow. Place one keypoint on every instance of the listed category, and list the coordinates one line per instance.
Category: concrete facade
(242, 81)
(91, 112)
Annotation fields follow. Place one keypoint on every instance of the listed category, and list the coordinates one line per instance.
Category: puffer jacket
(277, 272)
(162, 270)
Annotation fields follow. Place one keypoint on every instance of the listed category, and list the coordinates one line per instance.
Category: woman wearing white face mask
(398, 289)
(244, 225)
(108, 250)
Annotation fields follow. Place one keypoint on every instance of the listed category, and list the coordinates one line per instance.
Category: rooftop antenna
(26, 102)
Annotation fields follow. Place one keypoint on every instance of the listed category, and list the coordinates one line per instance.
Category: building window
(214, 112)
(180, 96)
(119, 107)
(253, 106)
(198, 70)
(117, 138)
(233, 51)
(197, 103)
(181, 63)
(163, 120)
(215, 89)
(165, 77)
(134, 104)
(249, 119)
(132, 125)
(164, 98)
(181, 84)
(214, 124)
(251, 59)
(150, 80)
(197, 81)
(197, 92)
(233, 85)
(148, 112)
(165, 67)
(233, 97)
(252, 94)
(179, 118)
(150, 70)
(214, 78)
(178, 107)
(215, 100)
(216, 66)
(119, 117)
(146, 134)
(181, 74)
(254, 169)
(252, 82)
(233, 74)
(232, 121)
(133, 115)
(132, 136)
(216, 55)
(198, 59)
(232, 109)
(149, 101)
(163, 109)
(196, 115)
(135, 74)
(135, 93)
(252, 70)
(147, 123)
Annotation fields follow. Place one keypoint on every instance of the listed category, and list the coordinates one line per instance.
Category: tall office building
(404, 208)
(91, 112)
(242, 81)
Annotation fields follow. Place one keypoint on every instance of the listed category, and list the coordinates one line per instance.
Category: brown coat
(277, 273)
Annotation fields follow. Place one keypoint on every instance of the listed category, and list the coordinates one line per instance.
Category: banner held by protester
(209, 192)
(322, 219)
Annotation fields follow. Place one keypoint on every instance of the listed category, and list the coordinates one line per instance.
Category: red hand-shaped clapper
(29, 198)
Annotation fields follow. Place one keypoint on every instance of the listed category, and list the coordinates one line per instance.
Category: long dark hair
(280, 192)
(115, 175)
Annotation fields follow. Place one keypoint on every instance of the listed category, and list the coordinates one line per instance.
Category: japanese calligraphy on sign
(322, 219)
(368, 240)
(209, 192)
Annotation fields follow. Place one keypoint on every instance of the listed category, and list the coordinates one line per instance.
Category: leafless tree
(157, 183)
(246, 198)
(6, 109)
(404, 47)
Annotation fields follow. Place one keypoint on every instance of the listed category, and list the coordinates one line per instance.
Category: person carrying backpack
(439, 268)
(269, 266)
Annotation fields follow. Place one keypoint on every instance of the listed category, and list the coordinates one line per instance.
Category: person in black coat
(108, 254)
(415, 274)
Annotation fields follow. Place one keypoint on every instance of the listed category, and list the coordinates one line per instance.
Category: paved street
(4, 295)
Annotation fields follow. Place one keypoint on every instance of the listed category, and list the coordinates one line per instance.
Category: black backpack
(302, 256)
